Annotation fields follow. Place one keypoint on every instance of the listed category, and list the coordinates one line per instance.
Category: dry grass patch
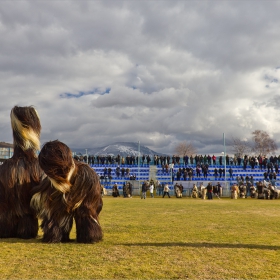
(160, 239)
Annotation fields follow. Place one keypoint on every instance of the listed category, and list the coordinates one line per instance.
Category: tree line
(260, 143)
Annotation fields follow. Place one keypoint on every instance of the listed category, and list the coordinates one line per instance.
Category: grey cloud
(177, 70)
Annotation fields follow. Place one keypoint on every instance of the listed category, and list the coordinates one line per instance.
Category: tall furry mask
(56, 160)
(26, 127)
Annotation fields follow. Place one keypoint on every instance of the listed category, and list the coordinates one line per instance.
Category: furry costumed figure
(19, 175)
(70, 191)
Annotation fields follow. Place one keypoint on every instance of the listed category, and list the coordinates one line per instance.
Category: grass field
(160, 239)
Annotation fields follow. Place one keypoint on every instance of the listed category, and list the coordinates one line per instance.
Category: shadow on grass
(19, 240)
(205, 245)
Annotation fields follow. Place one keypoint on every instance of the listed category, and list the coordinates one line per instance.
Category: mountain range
(121, 148)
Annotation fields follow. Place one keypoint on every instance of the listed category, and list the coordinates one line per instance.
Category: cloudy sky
(158, 72)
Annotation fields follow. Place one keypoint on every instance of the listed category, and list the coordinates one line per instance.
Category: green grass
(160, 239)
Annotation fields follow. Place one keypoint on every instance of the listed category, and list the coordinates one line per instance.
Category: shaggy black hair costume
(70, 190)
(19, 175)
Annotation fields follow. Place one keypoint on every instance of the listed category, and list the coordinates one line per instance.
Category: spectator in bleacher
(276, 168)
(235, 160)
(238, 179)
(127, 159)
(239, 160)
(205, 171)
(105, 171)
(109, 171)
(256, 161)
(123, 161)
(178, 174)
(209, 159)
(269, 167)
(221, 160)
(200, 160)
(204, 159)
(102, 179)
(191, 159)
(118, 159)
(227, 160)
(216, 173)
(171, 167)
(252, 180)
(132, 177)
(186, 159)
(190, 174)
(168, 159)
(264, 162)
(260, 161)
(198, 171)
(220, 172)
(185, 174)
(178, 159)
(166, 168)
(214, 159)
(118, 171)
(155, 159)
(230, 171)
(123, 171)
(231, 160)
(245, 163)
(143, 159)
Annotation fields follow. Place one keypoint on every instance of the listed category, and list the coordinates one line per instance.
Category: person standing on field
(152, 190)
(166, 190)
(209, 191)
(144, 190)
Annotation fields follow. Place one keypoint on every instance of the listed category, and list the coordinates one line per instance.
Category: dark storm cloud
(158, 72)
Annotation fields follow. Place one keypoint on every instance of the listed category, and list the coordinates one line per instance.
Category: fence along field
(160, 239)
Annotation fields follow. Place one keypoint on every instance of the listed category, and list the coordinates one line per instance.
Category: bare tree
(240, 147)
(263, 144)
(185, 148)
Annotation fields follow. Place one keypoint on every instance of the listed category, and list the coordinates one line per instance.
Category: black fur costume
(70, 190)
(19, 175)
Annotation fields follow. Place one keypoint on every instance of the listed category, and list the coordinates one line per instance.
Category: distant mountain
(121, 148)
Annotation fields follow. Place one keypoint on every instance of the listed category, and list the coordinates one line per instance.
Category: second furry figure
(70, 191)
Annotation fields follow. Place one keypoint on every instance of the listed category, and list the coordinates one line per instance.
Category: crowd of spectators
(245, 161)
(188, 168)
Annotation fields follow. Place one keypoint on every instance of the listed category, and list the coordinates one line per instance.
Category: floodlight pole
(86, 155)
(224, 137)
(139, 166)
